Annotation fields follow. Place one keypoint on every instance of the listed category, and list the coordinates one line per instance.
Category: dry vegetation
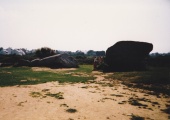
(72, 94)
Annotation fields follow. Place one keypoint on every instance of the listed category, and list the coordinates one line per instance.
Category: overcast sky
(84, 24)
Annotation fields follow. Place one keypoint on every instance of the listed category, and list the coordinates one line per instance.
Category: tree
(1, 48)
(79, 53)
(100, 53)
(91, 53)
(44, 52)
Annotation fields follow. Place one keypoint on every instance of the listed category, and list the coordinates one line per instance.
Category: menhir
(127, 56)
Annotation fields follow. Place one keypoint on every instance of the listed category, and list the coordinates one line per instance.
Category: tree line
(154, 59)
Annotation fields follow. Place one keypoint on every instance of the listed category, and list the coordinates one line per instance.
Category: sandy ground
(91, 101)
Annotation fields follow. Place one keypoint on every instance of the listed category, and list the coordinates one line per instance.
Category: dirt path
(101, 99)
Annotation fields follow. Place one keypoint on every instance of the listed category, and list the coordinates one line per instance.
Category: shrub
(44, 52)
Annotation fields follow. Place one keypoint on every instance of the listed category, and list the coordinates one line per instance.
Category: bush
(159, 60)
(44, 52)
(84, 60)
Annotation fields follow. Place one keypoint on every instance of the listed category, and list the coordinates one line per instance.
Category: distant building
(10, 51)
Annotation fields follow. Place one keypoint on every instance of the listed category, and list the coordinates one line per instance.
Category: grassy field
(155, 79)
(10, 76)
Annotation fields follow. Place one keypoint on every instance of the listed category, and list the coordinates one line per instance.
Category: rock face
(56, 61)
(23, 62)
(35, 62)
(127, 56)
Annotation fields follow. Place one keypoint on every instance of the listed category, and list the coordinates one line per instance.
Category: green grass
(85, 68)
(35, 94)
(56, 95)
(155, 79)
(10, 76)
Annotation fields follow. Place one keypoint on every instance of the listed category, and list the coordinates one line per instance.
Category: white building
(10, 51)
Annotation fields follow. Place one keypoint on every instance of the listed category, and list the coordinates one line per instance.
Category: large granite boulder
(23, 62)
(35, 62)
(127, 56)
(56, 61)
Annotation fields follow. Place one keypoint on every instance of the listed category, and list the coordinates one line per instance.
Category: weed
(135, 102)
(45, 90)
(134, 117)
(155, 103)
(70, 110)
(167, 110)
(56, 95)
(70, 119)
(35, 94)
(116, 95)
(64, 105)
(85, 87)
(20, 104)
(122, 102)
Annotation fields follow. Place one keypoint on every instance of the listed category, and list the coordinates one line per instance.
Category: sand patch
(52, 70)
(95, 100)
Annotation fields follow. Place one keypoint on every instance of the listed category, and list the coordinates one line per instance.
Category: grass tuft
(70, 110)
(134, 117)
(35, 94)
(56, 95)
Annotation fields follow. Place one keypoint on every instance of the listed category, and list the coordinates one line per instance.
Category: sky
(84, 24)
